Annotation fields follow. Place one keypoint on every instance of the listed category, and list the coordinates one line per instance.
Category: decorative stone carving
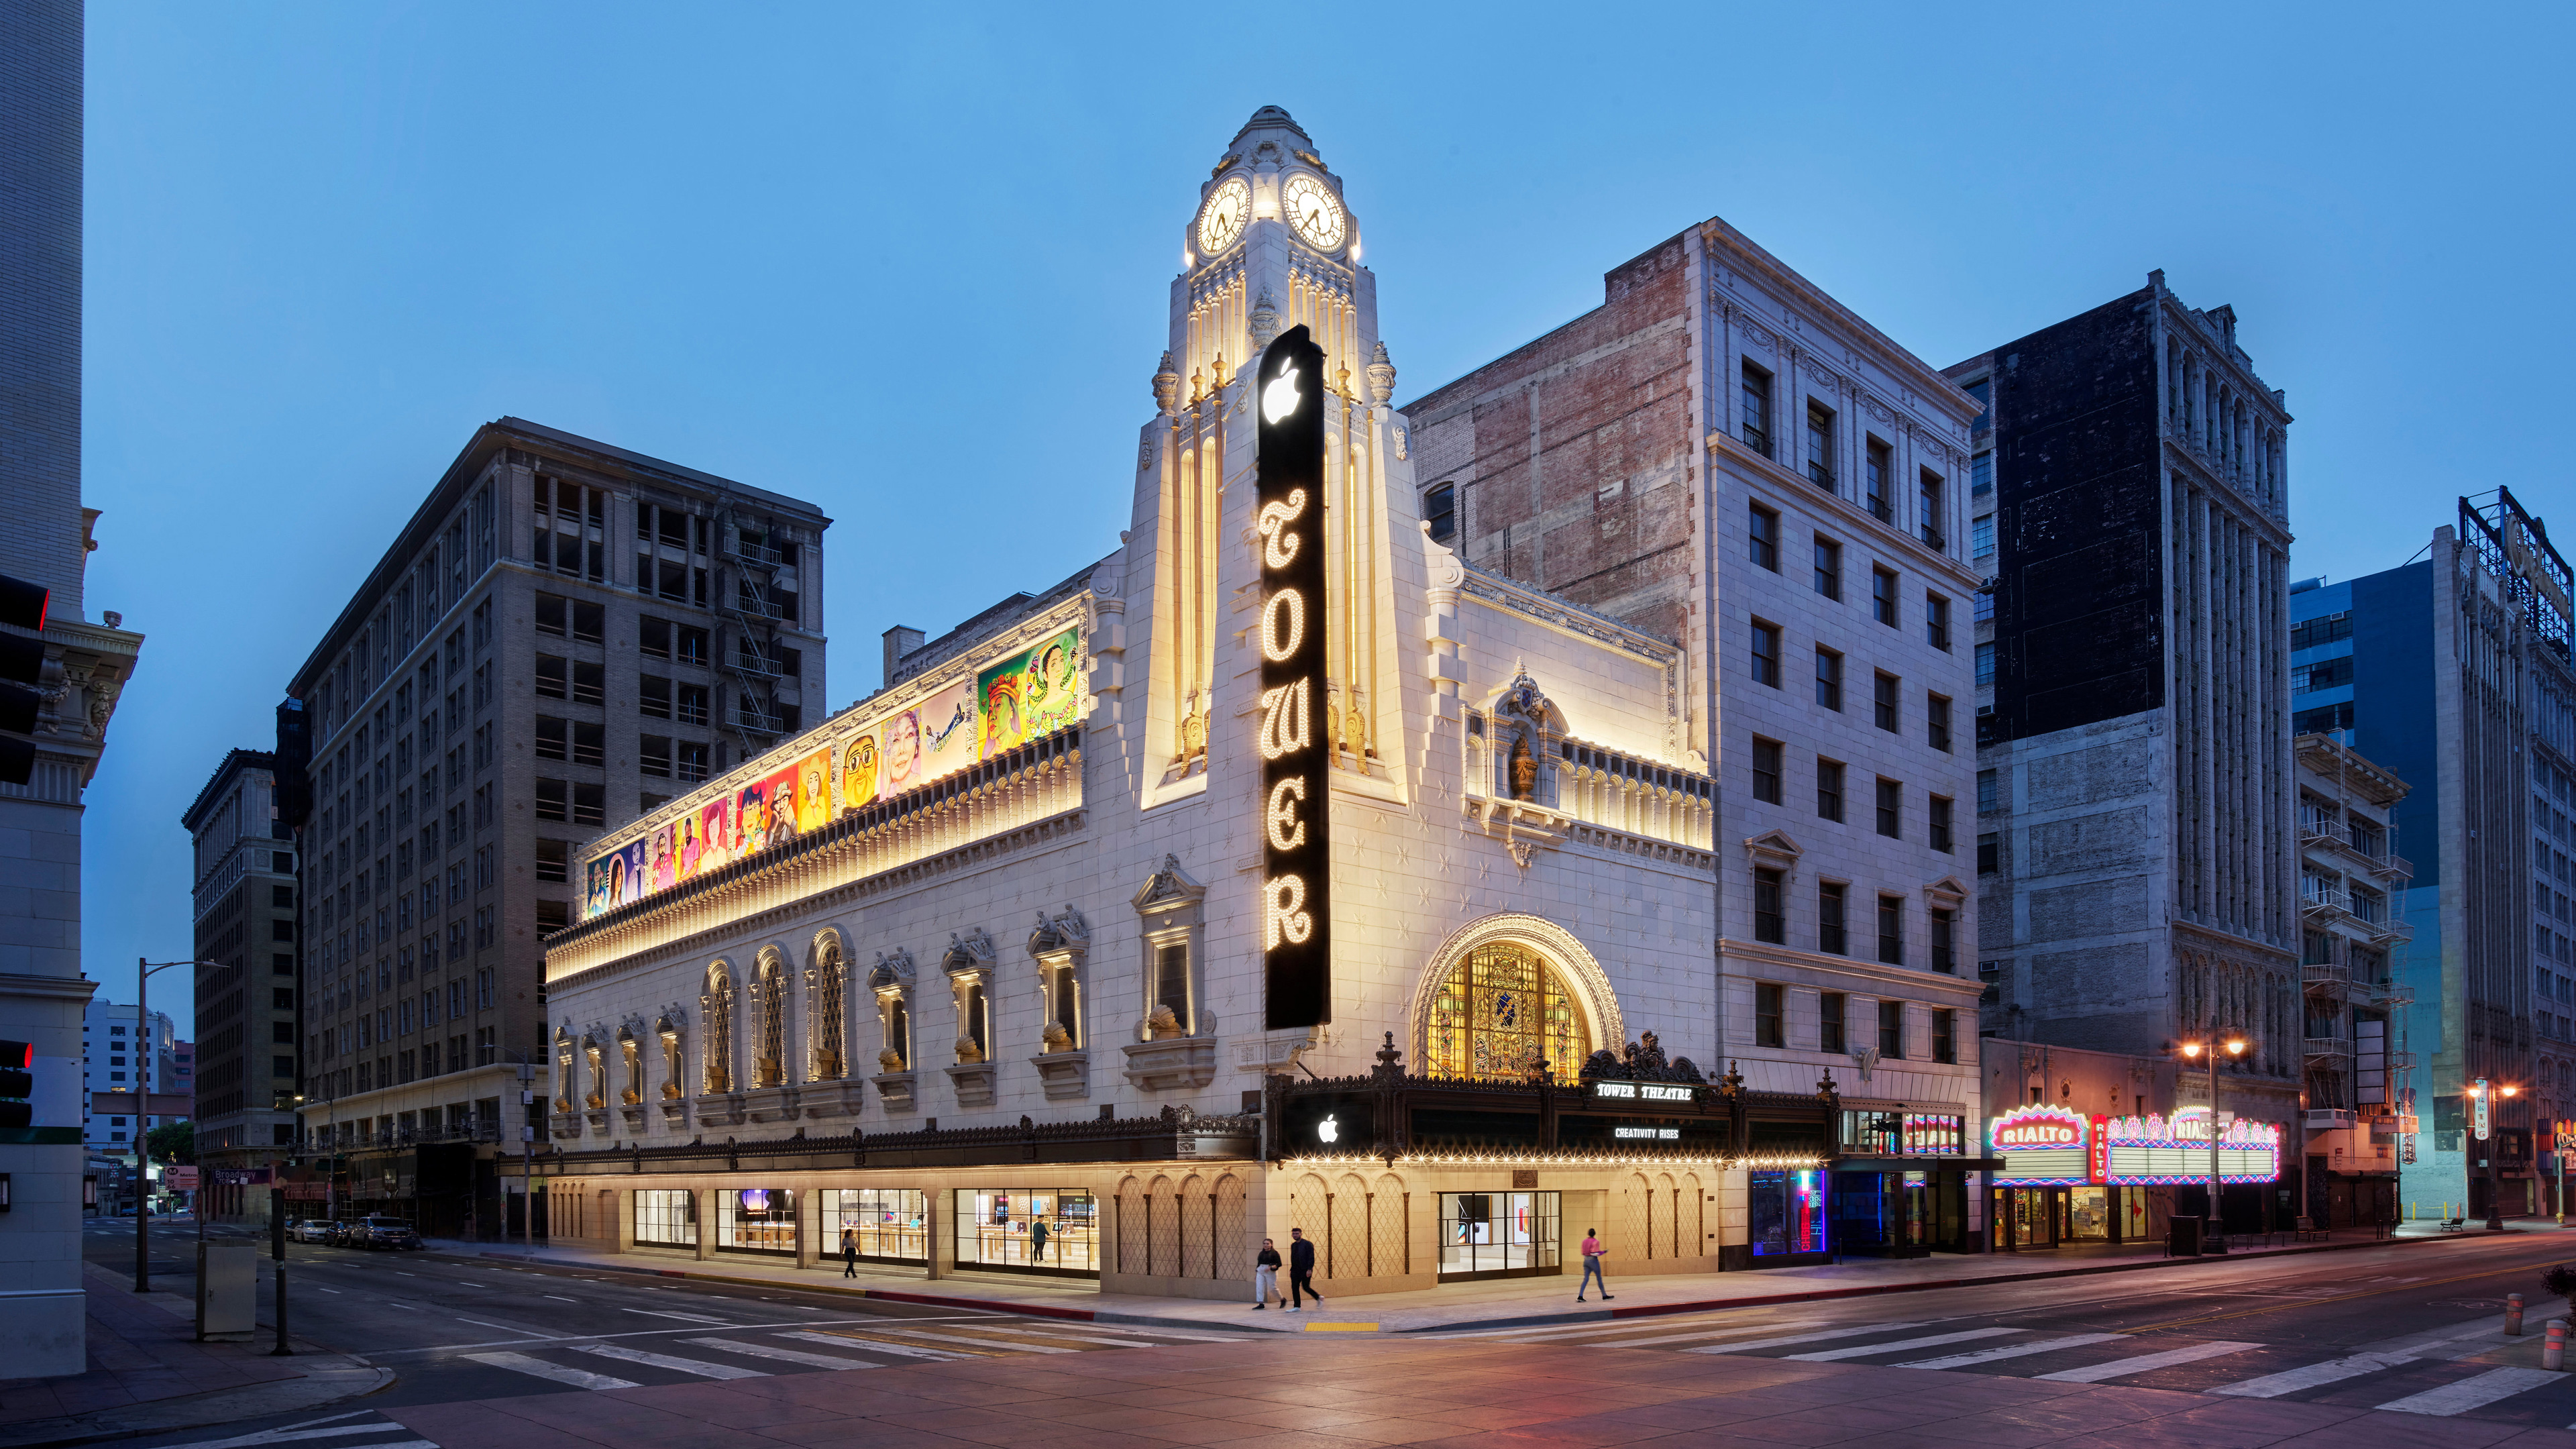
(1403, 440)
(1381, 378)
(972, 1083)
(1167, 391)
(1163, 1066)
(1264, 321)
(896, 1088)
(1065, 1075)
(772, 1104)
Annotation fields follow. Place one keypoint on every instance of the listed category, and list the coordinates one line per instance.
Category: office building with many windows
(2453, 674)
(565, 636)
(246, 915)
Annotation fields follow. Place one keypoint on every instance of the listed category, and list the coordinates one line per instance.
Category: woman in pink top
(1592, 1255)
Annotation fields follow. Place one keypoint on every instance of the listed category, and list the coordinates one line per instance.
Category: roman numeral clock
(1296, 783)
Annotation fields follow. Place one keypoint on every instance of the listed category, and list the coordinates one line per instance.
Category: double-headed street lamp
(2231, 1047)
(143, 972)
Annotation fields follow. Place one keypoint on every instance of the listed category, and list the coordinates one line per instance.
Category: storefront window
(1787, 1212)
(1010, 1230)
(2088, 1213)
(756, 1220)
(1499, 1235)
(887, 1224)
(667, 1217)
(1904, 1134)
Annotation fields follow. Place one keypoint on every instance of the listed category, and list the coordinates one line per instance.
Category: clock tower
(1270, 246)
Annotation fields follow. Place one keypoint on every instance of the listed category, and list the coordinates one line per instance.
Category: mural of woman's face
(903, 746)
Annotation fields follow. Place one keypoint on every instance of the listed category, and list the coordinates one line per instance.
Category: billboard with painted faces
(871, 756)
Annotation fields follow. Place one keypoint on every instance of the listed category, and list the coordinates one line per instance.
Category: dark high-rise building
(245, 898)
(565, 636)
(2137, 852)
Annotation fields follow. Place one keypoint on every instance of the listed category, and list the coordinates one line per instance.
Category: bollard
(2513, 1315)
(2553, 1347)
(281, 1351)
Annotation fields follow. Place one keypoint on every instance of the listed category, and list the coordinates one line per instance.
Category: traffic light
(22, 659)
(17, 1084)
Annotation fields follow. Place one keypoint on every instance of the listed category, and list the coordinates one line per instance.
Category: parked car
(384, 1233)
(311, 1230)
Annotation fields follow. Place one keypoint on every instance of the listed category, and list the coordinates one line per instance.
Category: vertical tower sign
(1296, 784)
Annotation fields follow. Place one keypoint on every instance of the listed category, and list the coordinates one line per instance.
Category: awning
(1915, 1164)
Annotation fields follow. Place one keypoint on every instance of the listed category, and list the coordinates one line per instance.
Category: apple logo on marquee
(1328, 1130)
(1280, 398)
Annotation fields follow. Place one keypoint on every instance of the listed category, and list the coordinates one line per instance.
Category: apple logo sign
(1327, 1130)
(1280, 398)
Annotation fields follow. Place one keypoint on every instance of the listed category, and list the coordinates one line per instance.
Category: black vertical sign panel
(1296, 784)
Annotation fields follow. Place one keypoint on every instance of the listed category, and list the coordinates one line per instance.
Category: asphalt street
(2415, 1328)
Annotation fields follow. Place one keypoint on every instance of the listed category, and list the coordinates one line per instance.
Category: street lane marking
(2471, 1393)
(281, 1436)
(952, 1338)
(1828, 1355)
(578, 1378)
(2320, 1302)
(1674, 1337)
(907, 1350)
(559, 1298)
(700, 1367)
(1846, 1331)
(2123, 1367)
(2018, 1350)
(783, 1355)
(690, 1317)
(504, 1327)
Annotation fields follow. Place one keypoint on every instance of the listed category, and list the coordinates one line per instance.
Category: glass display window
(1029, 1230)
(1499, 1235)
(884, 1224)
(1786, 1212)
(756, 1220)
(666, 1217)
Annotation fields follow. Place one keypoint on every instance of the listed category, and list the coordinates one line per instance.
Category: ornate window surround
(1586, 984)
(1172, 909)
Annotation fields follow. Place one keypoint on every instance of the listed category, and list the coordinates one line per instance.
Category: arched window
(823, 1021)
(769, 1021)
(718, 1007)
(1501, 1013)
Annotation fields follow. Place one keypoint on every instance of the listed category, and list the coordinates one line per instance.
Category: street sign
(144, 1104)
(2478, 1110)
(181, 1179)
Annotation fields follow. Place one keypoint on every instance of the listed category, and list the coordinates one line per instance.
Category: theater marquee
(1296, 783)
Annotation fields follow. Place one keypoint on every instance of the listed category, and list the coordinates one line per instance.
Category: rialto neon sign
(1296, 784)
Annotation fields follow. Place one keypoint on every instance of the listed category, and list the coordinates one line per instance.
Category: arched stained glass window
(1503, 1012)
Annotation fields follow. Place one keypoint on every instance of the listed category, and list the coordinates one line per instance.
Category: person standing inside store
(1301, 1270)
(1265, 1277)
(849, 1252)
(1593, 1253)
(1037, 1241)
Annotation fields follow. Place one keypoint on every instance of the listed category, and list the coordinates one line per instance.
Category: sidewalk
(148, 1374)
(1506, 1303)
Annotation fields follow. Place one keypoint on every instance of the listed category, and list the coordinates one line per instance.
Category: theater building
(1279, 869)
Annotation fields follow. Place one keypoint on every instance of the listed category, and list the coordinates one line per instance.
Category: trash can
(2183, 1237)
(227, 1278)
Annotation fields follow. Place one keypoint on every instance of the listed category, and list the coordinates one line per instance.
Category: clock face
(1315, 212)
(1221, 220)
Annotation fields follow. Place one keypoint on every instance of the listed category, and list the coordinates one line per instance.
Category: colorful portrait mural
(1017, 699)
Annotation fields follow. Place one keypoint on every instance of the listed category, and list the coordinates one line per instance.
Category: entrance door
(1498, 1235)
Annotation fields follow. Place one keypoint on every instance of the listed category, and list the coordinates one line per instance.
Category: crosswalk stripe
(783, 1355)
(281, 1436)
(1847, 1331)
(2309, 1376)
(686, 1317)
(1693, 1337)
(2123, 1367)
(2471, 1393)
(2017, 1350)
(699, 1367)
(958, 1338)
(907, 1350)
(1828, 1355)
(578, 1378)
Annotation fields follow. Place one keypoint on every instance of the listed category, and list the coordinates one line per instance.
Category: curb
(337, 1379)
(1534, 1320)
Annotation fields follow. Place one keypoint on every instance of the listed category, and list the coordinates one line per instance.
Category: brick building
(565, 636)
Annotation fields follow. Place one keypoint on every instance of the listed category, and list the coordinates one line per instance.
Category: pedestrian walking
(1301, 1271)
(1037, 1241)
(1265, 1277)
(1593, 1253)
(849, 1252)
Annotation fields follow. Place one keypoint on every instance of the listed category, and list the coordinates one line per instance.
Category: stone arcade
(984, 971)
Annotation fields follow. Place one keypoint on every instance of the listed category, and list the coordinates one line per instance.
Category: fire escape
(752, 655)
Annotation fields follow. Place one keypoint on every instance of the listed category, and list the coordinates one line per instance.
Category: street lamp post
(143, 971)
(2495, 1198)
(2234, 1046)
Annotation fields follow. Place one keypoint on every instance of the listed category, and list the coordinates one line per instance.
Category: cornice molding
(1907, 978)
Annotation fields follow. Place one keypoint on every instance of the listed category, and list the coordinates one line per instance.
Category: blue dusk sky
(913, 263)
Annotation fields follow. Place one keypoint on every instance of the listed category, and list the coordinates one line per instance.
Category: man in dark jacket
(1301, 1271)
